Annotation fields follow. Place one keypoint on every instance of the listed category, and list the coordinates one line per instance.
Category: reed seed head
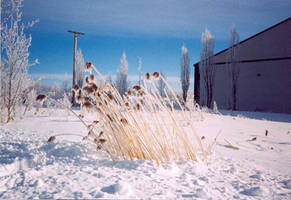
(138, 107)
(85, 138)
(94, 86)
(87, 80)
(110, 96)
(88, 89)
(88, 105)
(141, 93)
(137, 87)
(102, 141)
(95, 122)
(91, 133)
(101, 133)
(88, 66)
(79, 99)
(51, 139)
(148, 76)
(124, 121)
(129, 93)
(90, 126)
(41, 97)
(81, 116)
(156, 75)
(92, 77)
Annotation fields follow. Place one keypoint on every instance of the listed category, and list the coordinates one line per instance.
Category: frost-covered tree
(139, 70)
(207, 67)
(121, 78)
(14, 51)
(233, 69)
(185, 72)
(80, 68)
(162, 85)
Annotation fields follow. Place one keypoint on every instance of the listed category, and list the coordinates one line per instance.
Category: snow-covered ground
(256, 166)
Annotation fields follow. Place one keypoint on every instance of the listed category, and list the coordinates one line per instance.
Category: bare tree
(80, 68)
(185, 72)
(207, 66)
(14, 52)
(233, 69)
(121, 78)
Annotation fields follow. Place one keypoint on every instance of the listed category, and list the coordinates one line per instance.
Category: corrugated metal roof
(282, 22)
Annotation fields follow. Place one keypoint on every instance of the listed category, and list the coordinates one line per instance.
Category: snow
(71, 168)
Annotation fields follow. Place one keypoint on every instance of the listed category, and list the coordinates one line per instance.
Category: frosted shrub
(215, 108)
(67, 103)
(29, 101)
(39, 102)
(140, 124)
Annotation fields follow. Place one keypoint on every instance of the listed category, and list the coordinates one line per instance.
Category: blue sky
(153, 29)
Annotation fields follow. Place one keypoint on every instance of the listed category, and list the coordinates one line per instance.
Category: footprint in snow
(254, 191)
(118, 188)
(287, 184)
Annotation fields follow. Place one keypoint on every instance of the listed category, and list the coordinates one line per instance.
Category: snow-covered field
(256, 166)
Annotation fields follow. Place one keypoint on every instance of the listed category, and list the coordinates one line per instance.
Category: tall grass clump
(140, 124)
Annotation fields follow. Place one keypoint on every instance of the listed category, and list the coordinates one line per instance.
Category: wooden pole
(74, 63)
(74, 69)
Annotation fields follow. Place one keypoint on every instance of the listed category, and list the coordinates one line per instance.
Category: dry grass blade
(230, 145)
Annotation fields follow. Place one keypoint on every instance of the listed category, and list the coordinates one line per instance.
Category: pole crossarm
(75, 32)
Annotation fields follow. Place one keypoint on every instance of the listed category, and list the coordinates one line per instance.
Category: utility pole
(74, 63)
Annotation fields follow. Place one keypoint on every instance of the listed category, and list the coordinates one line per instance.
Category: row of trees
(208, 67)
(121, 82)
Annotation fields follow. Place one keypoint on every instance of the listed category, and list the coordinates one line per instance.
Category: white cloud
(56, 77)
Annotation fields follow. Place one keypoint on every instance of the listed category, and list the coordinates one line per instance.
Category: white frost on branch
(139, 69)
(15, 63)
(233, 68)
(185, 72)
(121, 78)
(80, 68)
(123, 64)
(207, 67)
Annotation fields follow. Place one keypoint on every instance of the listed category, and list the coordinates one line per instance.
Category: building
(264, 83)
